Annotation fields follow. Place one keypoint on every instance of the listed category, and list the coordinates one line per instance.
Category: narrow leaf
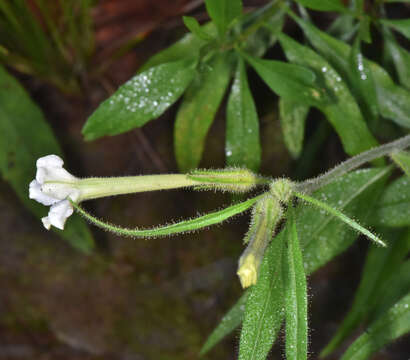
(391, 325)
(394, 290)
(402, 158)
(265, 36)
(332, 211)
(343, 112)
(231, 320)
(242, 125)
(179, 227)
(393, 100)
(288, 80)
(393, 208)
(323, 5)
(295, 296)
(25, 137)
(198, 110)
(193, 26)
(187, 47)
(381, 264)
(323, 237)
(402, 26)
(264, 310)
(400, 56)
(362, 77)
(143, 98)
(292, 120)
(223, 12)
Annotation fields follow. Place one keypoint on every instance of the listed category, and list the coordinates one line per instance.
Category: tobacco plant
(296, 227)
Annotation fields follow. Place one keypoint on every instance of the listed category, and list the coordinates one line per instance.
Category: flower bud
(265, 216)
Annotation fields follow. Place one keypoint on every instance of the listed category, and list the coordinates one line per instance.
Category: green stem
(387, 149)
(341, 216)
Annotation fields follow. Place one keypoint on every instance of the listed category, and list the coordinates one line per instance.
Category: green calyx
(266, 214)
(236, 180)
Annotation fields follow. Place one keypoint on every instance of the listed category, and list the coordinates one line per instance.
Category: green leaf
(194, 27)
(391, 325)
(143, 98)
(295, 296)
(400, 56)
(343, 27)
(265, 36)
(24, 137)
(362, 78)
(323, 5)
(198, 110)
(187, 47)
(402, 158)
(183, 226)
(343, 112)
(393, 100)
(393, 208)
(323, 237)
(264, 310)
(229, 323)
(381, 264)
(402, 26)
(288, 80)
(243, 146)
(223, 12)
(348, 221)
(292, 120)
(397, 286)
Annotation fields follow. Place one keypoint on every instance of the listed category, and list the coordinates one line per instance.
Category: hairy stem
(313, 184)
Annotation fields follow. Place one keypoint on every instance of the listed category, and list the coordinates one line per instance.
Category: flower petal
(36, 193)
(59, 213)
(50, 160)
(53, 173)
(60, 191)
(46, 222)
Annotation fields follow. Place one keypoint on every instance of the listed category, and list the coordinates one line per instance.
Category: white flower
(53, 186)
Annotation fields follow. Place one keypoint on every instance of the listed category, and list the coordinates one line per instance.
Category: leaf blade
(143, 98)
(223, 12)
(288, 80)
(243, 146)
(392, 324)
(322, 237)
(343, 112)
(323, 5)
(264, 307)
(198, 110)
(295, 296)
(393, 208)
(292, 121)
(178, 227)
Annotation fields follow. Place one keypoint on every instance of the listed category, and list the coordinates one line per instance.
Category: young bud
(266, 214)
(235, 180)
